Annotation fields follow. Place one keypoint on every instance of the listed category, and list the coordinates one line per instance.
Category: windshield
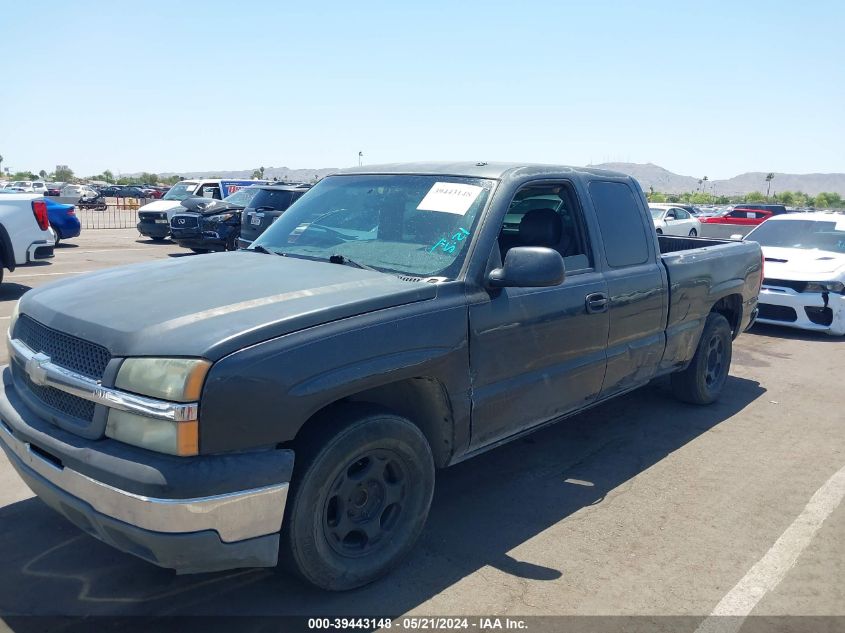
(412, 225)
(242, 197)
(656, 213)
(805, 234)
(180, 191)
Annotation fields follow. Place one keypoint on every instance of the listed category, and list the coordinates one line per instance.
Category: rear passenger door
(636, 285)
(538, 353)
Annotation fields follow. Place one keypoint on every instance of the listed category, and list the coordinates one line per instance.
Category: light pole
(360, 158)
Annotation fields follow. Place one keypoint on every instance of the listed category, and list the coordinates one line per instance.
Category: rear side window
(272, 198)
(621, 224)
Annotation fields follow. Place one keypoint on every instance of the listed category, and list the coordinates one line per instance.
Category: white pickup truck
(24, 230)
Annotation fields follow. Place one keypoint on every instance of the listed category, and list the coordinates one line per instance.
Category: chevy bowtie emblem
(35, 369)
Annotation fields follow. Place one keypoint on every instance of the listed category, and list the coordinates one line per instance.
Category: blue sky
(706, 88)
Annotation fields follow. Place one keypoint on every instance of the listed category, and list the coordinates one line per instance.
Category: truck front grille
(61, 402)
(76, 354)
(151, 216)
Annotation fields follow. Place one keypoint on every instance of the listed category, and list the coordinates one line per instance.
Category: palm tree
(769, 177)
(1, 162)
(704, 187)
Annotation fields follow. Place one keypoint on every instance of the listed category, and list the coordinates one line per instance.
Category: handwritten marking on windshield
(449, 246)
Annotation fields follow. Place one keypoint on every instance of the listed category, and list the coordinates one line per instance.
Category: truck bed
(675, 243)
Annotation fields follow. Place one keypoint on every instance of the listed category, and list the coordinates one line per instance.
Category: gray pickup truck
(291, 402)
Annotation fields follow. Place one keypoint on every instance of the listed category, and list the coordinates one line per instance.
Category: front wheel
(702, 382)
(232, 241)
(693, 233)
(359, 499)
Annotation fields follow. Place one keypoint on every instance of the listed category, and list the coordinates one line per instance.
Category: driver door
(538, 353)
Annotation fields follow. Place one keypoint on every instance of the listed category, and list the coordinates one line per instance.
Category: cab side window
(547, 215)
(680, 214)
(621, 223)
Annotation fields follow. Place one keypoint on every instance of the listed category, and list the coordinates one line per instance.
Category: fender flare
(7, 252)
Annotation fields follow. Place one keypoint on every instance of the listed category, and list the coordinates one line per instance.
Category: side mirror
(529, 267)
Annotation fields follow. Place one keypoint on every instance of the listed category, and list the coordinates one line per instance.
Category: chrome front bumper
(234, 516)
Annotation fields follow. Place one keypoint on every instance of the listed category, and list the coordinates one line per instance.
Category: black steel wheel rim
(365, 503)
(715, 361)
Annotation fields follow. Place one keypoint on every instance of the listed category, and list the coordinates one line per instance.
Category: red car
(746, 215)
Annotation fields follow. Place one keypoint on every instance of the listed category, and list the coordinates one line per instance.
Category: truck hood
(211, 305)
(162, 205)
(803, 265)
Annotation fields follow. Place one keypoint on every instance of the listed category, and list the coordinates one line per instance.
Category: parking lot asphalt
(642, 506)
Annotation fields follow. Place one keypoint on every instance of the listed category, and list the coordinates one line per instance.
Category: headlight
(825, 286)
(220, 217)
(174, 379)
(163, 436)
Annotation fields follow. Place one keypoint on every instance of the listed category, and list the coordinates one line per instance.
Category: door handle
(597, 302)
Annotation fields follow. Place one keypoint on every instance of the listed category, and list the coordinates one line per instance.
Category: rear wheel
(693, 233)
(359, 499)
(702, 382)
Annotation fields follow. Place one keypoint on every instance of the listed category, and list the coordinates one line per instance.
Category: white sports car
(804, 276)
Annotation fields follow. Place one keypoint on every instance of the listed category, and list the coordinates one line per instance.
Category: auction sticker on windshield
(450, 197)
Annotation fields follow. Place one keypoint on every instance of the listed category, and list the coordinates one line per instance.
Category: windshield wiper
(261, 249)
(345, 261)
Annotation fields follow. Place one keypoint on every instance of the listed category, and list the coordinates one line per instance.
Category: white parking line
(770, 570)
(75, 272)
(101, 250)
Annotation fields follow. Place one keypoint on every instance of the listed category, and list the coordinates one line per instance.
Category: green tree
(785, 197)
(107, 175)
(755, 196)
(656, 196)
(673, 197)
(258, 173)
(821, 201)
(42, 174)
(834, 200)
(63, 173)
(1, 162)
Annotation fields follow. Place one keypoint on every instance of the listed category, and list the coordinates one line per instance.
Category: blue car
(63, 220)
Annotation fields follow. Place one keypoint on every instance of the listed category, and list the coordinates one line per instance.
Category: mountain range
(648, 174)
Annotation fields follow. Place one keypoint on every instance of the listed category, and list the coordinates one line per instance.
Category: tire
(200, 250)
(232, 241)
(360, 496)
(158, 239)
(693, 233)
(702, 382)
